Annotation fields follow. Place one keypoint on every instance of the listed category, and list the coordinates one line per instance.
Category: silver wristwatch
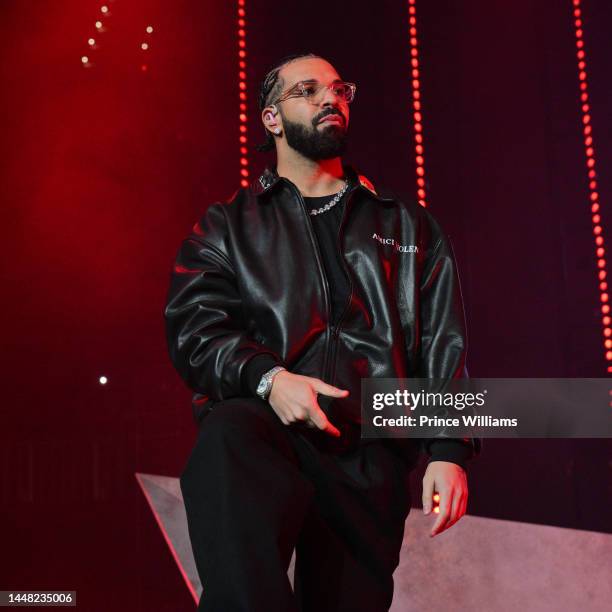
(265, 384)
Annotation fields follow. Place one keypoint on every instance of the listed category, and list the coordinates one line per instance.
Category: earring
(277, 131)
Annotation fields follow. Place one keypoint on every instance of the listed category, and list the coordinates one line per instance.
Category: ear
(271, 118)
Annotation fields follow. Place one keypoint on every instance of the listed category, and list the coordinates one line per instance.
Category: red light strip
(593, 195)
(244, 161)
(416, 96)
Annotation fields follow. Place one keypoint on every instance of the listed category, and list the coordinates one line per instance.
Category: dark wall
(507, 173)
(105, 169)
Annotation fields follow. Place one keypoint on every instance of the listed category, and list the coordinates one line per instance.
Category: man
(281, 300)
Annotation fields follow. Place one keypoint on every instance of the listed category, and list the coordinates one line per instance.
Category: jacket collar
(269, 180)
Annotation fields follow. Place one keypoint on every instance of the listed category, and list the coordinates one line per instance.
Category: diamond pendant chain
(332, 202)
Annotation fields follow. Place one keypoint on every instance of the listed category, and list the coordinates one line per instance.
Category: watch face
(262, 386)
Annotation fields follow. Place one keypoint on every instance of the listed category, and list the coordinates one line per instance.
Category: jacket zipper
(336, 327)
(329, 368)
(326, 291)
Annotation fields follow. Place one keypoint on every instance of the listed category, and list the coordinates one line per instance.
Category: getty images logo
(402, 248)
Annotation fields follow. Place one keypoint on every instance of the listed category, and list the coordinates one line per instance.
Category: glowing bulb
(104, 9)
(98, 24)
(84, 59)
(149, 29)
(103, 380)
(144, 46)
(91, 42)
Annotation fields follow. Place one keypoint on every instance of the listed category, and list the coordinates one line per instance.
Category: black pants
(254, 489)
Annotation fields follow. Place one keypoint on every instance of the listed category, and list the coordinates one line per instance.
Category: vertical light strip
(416, 97)
(592, 176)
(244, 161)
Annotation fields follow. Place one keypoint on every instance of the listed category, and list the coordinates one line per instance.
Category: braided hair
(271, 87)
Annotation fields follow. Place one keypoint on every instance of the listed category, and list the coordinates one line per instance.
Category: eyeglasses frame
(291, 92)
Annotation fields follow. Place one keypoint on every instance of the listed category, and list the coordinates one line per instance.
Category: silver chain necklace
(332, 202)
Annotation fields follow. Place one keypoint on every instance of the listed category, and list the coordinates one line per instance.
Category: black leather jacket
(249, 280)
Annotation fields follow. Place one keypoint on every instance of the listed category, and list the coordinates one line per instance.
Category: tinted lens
(345, 91)
(342, 90)
(311, 90)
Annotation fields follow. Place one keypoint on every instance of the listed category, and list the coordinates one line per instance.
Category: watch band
(265, 384)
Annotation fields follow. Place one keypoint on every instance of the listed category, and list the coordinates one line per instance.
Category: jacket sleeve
(206, 333)
(443, 340)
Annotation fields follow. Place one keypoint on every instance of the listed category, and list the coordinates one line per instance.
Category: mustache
(332, 112)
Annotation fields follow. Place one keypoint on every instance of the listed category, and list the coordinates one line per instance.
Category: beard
(315, 142)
